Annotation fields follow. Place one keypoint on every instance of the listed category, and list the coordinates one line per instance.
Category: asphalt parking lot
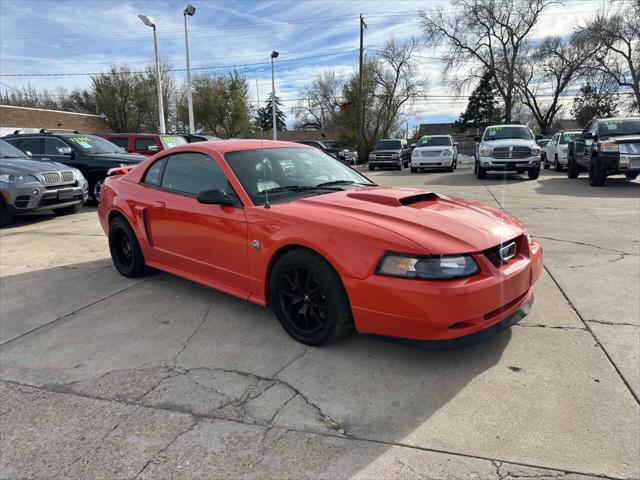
(106, 377)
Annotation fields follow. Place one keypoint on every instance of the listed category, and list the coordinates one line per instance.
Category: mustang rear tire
(68, 210)
(309, 298)
(125, 249)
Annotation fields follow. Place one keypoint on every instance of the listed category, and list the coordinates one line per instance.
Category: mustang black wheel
(125, 249)
(309, 299)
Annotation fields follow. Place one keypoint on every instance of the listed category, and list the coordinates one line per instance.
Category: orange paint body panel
(351, 229)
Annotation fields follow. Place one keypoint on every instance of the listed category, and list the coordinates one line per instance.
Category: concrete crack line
(584, 244)
(539, 325)
(614, 324)
(202, 321)
(593, 335)
(166, 447)
(77, 310)
(198, 418)
(304, 351)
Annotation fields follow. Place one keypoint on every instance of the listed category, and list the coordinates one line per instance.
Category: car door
(207, 240)
(141, 145)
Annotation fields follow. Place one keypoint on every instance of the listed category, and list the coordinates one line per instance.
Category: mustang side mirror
(476, 139)
(539, 137)
(214, 197)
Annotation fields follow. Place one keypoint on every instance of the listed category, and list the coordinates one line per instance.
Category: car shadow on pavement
(615, 187)
(173, 345)
(40, 217)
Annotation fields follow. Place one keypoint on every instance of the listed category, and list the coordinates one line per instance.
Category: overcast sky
(68, 36)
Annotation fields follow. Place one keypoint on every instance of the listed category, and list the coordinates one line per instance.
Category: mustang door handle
(159, 204)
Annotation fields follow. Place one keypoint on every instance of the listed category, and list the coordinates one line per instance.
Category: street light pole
(190, 10)
(274, 54)
(149, 22)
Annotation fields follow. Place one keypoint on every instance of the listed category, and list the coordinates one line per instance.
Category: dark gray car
(394, 153)
(28, 185)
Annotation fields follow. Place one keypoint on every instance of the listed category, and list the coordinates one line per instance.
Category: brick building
(33, 119)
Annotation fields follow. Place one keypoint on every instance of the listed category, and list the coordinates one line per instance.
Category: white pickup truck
(555, 152)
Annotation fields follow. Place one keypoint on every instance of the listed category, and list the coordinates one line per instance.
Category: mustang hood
(437, 223)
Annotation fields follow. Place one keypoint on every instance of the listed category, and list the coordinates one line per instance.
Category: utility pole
(361, 145)
(190, 10)
(274, 54)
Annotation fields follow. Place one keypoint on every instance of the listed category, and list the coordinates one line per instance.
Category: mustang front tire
(309, 298)
(125, 249)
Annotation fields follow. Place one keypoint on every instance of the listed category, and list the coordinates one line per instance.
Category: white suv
(435, 151)
(508, 148)
(557, 148)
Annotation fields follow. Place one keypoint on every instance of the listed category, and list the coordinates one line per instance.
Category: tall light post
(274, 54)
(190, 10)
(150, 22)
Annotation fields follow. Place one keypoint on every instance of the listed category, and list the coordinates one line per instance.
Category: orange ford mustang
(286, 225)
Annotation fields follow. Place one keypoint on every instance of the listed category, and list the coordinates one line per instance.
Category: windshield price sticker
(426, 138)
(81, 140)
(613, 125)
(494, 130)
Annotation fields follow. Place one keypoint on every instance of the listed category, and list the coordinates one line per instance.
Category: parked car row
(604, 147)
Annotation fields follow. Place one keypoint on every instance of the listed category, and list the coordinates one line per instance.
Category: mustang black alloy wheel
(309, 299)
(125, 249)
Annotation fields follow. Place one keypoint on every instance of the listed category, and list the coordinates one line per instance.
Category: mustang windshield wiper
(343, 182)
(299, 188)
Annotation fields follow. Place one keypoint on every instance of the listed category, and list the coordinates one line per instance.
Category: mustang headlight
(15, 178)
(485, 151)
(438, 267)
(609, 147)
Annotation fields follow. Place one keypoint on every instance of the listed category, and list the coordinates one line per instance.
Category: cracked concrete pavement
(105, 377)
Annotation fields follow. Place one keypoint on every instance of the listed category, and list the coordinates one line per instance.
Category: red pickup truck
(144, 143)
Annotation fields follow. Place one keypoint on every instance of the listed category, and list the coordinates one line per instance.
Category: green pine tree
(482, 108)
(593, 103)
(264, 118)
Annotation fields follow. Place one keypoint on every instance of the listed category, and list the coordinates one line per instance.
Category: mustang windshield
(283, 173)
(90, 144)
(507, 133)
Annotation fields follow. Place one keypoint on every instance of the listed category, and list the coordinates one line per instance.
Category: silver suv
(508, 148)
(28, 185)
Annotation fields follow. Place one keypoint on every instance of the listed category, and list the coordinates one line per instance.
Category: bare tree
(492, 33)
(545, 74)
(320, 102)
(615, 41)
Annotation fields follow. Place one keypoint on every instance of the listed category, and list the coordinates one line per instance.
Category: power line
(211, 67)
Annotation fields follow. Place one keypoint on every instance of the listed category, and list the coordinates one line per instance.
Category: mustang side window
(192, 173)
(152, 176)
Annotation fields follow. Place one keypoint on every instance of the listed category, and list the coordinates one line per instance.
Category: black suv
(90, 154)
(341, 154)
(607, 146)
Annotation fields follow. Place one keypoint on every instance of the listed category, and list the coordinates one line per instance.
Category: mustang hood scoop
(393, 197)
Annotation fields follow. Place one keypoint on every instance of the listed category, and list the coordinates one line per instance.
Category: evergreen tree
(482, 108)
(264, 119)
(592, 102)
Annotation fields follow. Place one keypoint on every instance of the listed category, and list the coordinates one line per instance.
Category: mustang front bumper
(437, 310)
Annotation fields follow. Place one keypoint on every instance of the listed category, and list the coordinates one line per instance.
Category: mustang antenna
(265, 163)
